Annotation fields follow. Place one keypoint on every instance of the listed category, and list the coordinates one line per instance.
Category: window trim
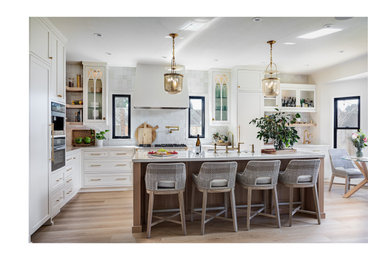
(335, 123)
(114, 136)
(203, 116)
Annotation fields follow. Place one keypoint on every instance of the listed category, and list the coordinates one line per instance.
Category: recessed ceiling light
(320, 33)
(257, 19)
(289, 43)
(108, 53)
(98, 35)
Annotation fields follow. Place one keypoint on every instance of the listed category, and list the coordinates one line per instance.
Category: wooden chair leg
(226, 201)
(248, 211)
(150, 214)
(233, 206)
(346, 184)
(265, 201)
(316, 204)
(302, 197)
(276, 203)
(182, 212)
(290, 208)
(349, 184)
(331, 182)
(204, 206)
(192, 202)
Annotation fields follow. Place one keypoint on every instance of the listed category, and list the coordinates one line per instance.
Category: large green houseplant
(276, 127)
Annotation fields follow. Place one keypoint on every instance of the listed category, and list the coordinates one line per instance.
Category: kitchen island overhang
(193, 163)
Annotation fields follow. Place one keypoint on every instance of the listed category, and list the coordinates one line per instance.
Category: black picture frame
(202, 98)
(114, 136)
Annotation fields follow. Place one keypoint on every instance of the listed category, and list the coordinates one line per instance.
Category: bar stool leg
(265, 201)
(248, 210)
(150, 214)
(226, 200)
(316, 204)
(192, 202)
(276, 202)
(233, 206)
(290, 208)
(302, 195)
(182, 213)
(204, 206)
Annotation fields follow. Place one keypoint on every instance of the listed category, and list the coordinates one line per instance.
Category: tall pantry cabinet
(47, 83)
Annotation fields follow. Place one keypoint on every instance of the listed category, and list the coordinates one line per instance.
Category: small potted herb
(100, 137)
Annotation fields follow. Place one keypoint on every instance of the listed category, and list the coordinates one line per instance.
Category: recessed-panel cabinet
(57, 55)
(220, 97)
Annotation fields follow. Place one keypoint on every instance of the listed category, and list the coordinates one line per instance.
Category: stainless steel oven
(58, 153)
(58, 118)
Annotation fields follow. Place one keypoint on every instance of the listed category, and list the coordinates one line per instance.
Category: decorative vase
(99, 143)
(279, 145)
(359, 152)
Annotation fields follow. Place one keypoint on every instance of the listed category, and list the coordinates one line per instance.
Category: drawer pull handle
(96, 179)
(120, 179)
(59, 199)
(69, 192)
(121, 153)
(96, 165)
(58, 179)
(119, 165)
(69, 169)
(96, 154)
(74, 158)
(68, 180)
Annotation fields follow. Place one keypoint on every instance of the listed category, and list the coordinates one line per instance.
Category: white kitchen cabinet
(107, 167)
(39, 39)
(249, 79)
(220, 97)
(39, 152)
(58, 57)
(95, 92)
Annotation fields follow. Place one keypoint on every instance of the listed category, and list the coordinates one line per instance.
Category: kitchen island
(193, 163)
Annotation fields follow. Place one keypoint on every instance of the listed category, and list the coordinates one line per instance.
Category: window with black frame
(196, 117)
(346, 121)
(121, 116)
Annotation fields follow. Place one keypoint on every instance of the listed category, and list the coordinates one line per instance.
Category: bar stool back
(302, 174)
(215, 177)
(163, 179)
(261, 175)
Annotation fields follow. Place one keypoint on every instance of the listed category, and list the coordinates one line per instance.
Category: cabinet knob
(213, 119)
(59, 95)
(50, 58)
(238, 86)
(104, 118)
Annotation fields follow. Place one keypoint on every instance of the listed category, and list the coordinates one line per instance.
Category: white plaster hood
(149, 89)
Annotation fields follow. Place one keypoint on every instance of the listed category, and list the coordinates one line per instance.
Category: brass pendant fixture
(173, 82)
(271, 83)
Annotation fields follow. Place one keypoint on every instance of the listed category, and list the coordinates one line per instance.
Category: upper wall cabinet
(95, 92)
(48, 44)
(249, 80)
(220, 96)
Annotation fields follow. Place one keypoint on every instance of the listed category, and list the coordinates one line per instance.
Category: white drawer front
(121, 166)
(69, 179)
(107, 166)
(95, 155)
(121, 154)
(96, 180)
(57, 199)
(68, 192)
(68, 170)
(56, 180)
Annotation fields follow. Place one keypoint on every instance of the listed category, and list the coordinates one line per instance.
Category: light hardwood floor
(107, 217)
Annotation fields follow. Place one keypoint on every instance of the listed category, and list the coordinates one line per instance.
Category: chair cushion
(166, 184)
(304, 178)
(263, 180)
(219, 183)
(341, 171)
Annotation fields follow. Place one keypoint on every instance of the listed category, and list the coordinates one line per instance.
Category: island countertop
(142, 156)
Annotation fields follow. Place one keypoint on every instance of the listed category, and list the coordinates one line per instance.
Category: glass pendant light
(271, 83)
(173, 82)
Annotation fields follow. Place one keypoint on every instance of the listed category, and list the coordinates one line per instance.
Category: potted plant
(100, 137)
(360, 141)
(276, 127)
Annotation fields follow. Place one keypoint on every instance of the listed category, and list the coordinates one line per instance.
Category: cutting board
(145, 133)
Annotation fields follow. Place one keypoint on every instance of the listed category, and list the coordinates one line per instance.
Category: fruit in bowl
(78, 140)
(162, 152)
(87, 140)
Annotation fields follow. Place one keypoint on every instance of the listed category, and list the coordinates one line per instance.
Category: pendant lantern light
(173, 82)
(271, 83)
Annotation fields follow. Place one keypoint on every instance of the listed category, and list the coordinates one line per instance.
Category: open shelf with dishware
(74, 93)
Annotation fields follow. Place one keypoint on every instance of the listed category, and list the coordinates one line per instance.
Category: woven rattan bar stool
(164, 179)
(215, 177)
(301, 174)
(260, 175)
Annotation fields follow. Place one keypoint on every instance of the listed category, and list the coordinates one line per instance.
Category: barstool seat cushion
(166, 184)
(341, 171)
(304, 178)
(263, 180)
(219, 183)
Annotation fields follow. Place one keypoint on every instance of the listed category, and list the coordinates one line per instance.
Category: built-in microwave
(58, 118)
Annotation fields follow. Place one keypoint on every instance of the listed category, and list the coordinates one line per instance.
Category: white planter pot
(99, 143)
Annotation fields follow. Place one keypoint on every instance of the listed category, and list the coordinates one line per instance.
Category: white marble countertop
(143, 156)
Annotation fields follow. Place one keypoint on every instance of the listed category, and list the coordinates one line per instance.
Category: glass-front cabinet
(220, 91)
(95, 96)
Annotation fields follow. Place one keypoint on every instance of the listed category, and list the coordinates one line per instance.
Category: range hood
(149, 90)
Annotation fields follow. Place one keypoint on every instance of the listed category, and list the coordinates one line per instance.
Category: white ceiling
(222, 43)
